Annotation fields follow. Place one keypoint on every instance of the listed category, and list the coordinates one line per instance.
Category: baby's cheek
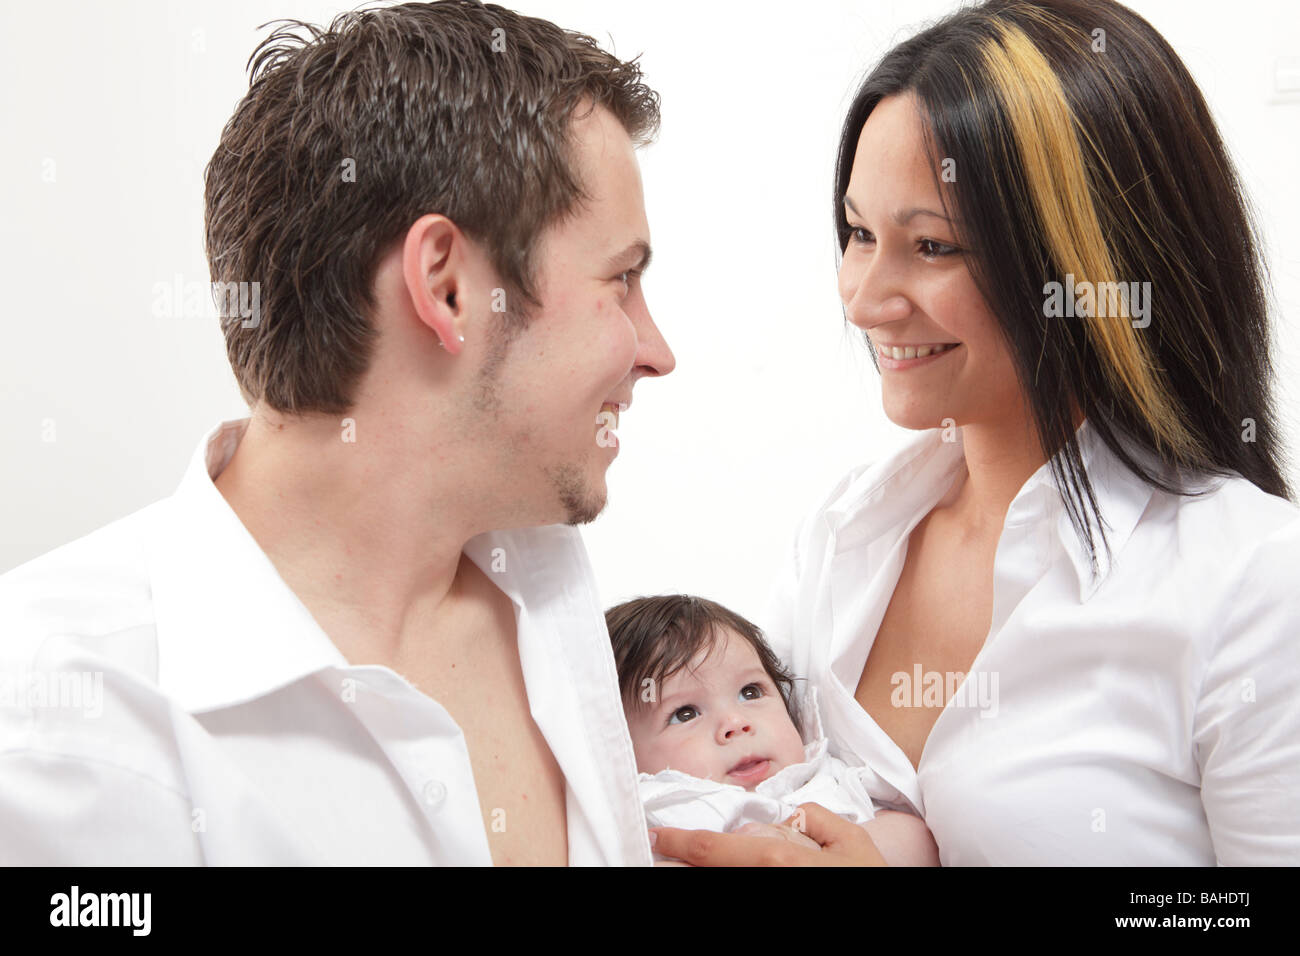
(792, 751)
(654, 753)
(642, 744)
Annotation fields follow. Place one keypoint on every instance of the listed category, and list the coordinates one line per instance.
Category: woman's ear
(433, 263)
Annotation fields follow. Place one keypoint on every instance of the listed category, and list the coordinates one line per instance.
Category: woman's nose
(871, 296)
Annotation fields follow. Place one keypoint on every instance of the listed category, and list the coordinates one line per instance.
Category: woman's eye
(936, 249)
(682, 714)
(751, 692)
(929, 248)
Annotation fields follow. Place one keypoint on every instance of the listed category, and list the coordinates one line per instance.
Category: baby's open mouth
(750, 768)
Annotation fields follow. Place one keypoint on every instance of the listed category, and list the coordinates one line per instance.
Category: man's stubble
(567, 480)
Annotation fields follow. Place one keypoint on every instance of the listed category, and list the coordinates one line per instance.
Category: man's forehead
(612, 218)
(599, 139)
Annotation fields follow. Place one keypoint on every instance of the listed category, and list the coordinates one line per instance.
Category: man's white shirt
(165, 698)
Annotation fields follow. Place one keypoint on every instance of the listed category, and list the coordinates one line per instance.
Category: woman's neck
(1000, 457)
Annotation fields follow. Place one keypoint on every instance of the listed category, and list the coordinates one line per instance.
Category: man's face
(554, 390)
(720, 718)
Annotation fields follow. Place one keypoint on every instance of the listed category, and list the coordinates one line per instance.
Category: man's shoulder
(79, 668)
(93, 587)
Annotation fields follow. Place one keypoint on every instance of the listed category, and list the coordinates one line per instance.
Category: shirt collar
(216, 591)
(217, 595)
(887, 500)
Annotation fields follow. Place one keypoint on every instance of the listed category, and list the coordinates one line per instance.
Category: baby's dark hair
(655, 637)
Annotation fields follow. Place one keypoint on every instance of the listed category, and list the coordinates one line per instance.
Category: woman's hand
(780, 831)
(902, 839)
(840, 843)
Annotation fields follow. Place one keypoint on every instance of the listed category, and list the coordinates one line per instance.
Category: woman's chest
(1069, 739)
(934, 626)
(1003, 787)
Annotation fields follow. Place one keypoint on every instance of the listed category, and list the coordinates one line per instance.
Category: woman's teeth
(912, 352)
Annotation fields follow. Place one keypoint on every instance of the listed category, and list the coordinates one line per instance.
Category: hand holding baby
(828, 840)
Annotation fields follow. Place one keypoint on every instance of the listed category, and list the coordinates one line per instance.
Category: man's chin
(582, 502)
(584, 515)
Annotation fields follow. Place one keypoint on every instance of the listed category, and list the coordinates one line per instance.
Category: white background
(772, 400)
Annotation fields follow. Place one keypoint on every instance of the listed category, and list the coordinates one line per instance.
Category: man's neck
(366, 539)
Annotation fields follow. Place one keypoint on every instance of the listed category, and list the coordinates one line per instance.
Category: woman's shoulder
(1234, 521)
(1196, 544)
(1236, 550)
(915, 452)
(1239, 498)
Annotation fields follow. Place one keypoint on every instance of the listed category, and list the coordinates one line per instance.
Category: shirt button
(434, 792)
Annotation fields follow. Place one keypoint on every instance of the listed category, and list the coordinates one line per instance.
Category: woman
(1059, 623)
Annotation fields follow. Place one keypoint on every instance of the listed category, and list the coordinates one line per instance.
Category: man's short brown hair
(350, 134)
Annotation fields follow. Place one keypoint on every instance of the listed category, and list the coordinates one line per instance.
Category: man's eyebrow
(902, 217)
(634, 257)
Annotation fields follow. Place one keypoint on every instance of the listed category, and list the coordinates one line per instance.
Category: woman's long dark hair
(1083, 147)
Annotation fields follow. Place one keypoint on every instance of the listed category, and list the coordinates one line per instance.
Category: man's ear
(433, 268)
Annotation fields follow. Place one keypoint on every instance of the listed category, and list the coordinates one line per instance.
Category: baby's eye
(682, 714)
(751, 692)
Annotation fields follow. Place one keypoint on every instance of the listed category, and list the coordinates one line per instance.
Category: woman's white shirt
(1145, 715)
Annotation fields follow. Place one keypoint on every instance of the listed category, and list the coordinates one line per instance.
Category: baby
(715, 729)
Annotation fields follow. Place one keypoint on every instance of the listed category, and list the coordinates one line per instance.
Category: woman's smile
(915, 360)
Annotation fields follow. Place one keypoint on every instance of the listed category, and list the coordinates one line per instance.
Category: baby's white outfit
(675, 799)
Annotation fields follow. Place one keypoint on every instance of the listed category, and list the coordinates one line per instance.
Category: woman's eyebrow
(902, 217)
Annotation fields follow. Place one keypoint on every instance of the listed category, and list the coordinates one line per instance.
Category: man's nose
(872, 292)
(653, 356)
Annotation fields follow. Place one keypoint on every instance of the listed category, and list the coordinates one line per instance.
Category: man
(321, 649)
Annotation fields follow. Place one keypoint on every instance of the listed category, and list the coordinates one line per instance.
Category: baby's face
(720, 717)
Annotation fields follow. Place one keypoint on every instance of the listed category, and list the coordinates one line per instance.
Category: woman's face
(905, 283)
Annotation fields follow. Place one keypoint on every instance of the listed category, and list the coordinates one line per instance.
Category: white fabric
(1148, 716)
(230, 730)
(675, 799)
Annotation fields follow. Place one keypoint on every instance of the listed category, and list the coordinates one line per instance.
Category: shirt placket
(428, 749)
